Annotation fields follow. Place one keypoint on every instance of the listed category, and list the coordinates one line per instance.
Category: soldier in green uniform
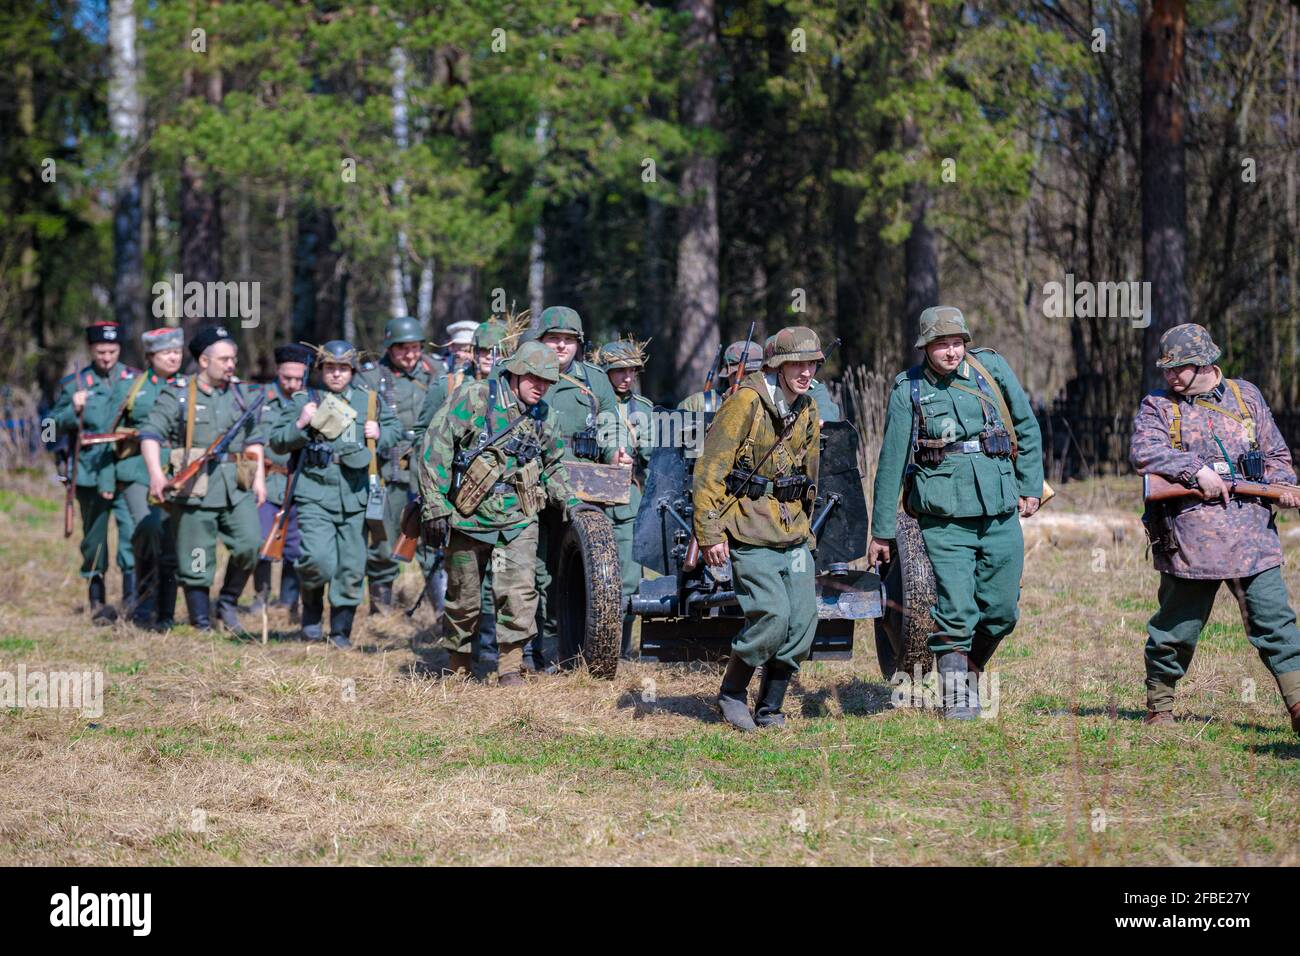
(1203, 428)
(753, 492)
(85, 406)
(291, 364)
(341, 433)
(577, 400)
(623, 361)
(402, 379)
(483, 509)
(223, 499)
(960, 429)
(153, 543)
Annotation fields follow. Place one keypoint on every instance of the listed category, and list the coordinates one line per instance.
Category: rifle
(273, 546)
(408, 539)
(215, 450)
(71, 495)
(744, 360)
(106, 438)
(711, 382)
(1157, 489)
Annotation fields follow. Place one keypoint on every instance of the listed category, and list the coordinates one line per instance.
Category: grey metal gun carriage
(692, 614)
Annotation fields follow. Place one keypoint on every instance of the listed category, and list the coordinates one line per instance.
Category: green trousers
(776, 588)
(977, 567)
(1185, 605)
(380, 567)
(197, 530)
(129, 505)
(154, 543)
(514, 588)
(333, 552)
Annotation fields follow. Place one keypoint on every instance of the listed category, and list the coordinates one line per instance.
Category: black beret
(109, 332)
(293, 352)
(208, 335)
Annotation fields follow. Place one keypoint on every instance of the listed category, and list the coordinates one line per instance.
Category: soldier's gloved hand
(1211, 485)
(435, 531)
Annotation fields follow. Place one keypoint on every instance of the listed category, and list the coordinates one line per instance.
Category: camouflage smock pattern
(755, 521)
(1214, 542)
(457, 426)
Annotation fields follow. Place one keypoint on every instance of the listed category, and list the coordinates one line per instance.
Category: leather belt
(962, 447)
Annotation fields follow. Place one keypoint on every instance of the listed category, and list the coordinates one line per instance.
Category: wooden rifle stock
(106, 438)
(187, 474)
(71, 495)
(409, 539)
(1156, 489)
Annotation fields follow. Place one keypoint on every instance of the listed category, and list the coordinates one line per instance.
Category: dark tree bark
(200, 208)
(1164, 201)
(126, 117)
(697, 295)
(920, 251)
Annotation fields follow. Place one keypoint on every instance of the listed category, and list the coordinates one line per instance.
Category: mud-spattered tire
(903, 633)
(589, 593)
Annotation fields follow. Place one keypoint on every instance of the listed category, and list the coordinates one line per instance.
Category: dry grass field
(214, 751)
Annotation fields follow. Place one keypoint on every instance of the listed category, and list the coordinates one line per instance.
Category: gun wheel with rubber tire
(903, 632)
(589, 594)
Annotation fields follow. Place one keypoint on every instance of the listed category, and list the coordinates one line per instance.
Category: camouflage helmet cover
(794, 343)
(534, 358)
(940, 320)
(339, 352)
(622, 353)
(404, 329)
(489, 334)
(1188, 344)
(751, 353)
(559, 318)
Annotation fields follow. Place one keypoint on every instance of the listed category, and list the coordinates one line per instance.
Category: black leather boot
(129, 601)
(733, 695)
(166, 602)
(313, 611)
(958, 687)
(289, 590)
(341, 627)
(101, 613)
(146, 595)
(981, 651)
(261, 587)
(771, 694)
(228, 598)
(381, 598)
(196, 603)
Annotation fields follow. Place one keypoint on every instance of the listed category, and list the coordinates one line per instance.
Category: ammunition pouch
(528, 487)
(178, 460)
(791, 487)
(584, 444)
(317, 454)
(127, 447)
(473, 481)
(245, 471)
(1250, 466)
(929, 452)
(737, 487)
(1158, 523)
(995, 442)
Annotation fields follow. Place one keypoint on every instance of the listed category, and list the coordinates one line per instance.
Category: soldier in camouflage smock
(154, 541)
(827, 410)
(403, 379)
(468, 455)
(583, 403)
(89, 392)
(1205, 428)
(623, 361)
(767, 429)
(974, 474)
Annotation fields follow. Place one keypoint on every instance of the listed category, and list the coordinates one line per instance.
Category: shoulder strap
(1176, 426)
(918, 413)
(996, 391)
(1246, 418)
(139, 382)
(192, 398)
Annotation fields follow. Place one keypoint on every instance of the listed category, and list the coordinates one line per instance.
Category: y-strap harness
(1252, 461)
